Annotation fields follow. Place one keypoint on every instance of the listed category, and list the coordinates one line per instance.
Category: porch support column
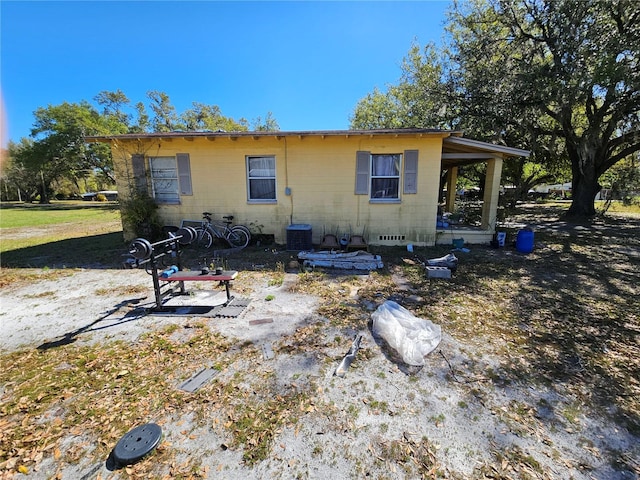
(491, 193)
(452, 181)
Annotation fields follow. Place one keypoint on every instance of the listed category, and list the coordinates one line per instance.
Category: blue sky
(306, 62)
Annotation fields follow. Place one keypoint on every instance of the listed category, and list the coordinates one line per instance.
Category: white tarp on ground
(359, 260)
(412, 338)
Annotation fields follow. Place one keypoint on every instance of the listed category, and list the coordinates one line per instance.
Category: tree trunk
(584, 186)
(43, 190)
(583, 195)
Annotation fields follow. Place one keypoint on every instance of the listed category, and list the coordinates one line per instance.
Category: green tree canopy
(558, 77)
(575, 74)
(57, 148)
(209, 117)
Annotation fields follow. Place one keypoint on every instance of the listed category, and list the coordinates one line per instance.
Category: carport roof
(458, 151)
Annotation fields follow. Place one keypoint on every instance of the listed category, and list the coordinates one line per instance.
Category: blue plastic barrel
(524, 241)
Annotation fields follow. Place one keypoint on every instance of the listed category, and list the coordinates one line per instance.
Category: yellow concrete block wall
(320, 174)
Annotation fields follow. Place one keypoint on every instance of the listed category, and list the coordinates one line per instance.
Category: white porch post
(452, 181)
(491, 193)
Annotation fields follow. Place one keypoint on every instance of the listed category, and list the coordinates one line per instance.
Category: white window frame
(397, 176)
(271, 177)
(165, 183)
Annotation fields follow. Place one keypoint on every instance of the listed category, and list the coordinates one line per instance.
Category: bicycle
(237, 236)
(228, 220)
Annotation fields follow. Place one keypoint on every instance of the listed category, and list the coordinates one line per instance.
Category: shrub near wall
(140, 217)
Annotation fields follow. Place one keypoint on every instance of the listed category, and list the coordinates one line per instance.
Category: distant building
(111, 195)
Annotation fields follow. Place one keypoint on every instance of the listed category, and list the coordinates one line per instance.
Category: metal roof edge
(488, 147)
(276, 133)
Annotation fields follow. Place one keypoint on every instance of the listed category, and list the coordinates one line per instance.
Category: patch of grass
(60, 235)
(353, 411)
(304, 339)
(513, 459)
(254, 424)
(42, 295)
(619, 207)
(14, 278)
(376, 406)
(437, 419)
(564, 316)
(417, 458)
(571, 413)
(16, 215)
(342, 314)
(97, 390)
(277, 277)
(122, 290)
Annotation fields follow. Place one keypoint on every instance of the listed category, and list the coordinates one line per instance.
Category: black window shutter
(184, 173)
(139, 173)
(411, 171)
(362, 172)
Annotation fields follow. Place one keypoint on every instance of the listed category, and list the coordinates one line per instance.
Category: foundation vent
(387, 238)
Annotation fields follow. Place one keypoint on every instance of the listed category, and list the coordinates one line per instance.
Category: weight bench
(147, 254)
(195, 276)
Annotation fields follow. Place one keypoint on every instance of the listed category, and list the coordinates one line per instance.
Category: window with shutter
(385, 177)
(164, 179)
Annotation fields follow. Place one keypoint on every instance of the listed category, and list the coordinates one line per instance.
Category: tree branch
(625, 152)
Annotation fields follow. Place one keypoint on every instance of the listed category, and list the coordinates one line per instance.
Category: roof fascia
(477, 145)
(276, 134)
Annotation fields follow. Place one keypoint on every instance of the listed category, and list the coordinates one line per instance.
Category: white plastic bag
(411, 337)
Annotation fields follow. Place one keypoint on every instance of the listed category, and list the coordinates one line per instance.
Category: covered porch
(477, 224)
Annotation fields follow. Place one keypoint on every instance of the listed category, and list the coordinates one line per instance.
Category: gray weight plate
(137, 443)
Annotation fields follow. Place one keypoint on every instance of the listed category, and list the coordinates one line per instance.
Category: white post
(452, 182)
(491, 193)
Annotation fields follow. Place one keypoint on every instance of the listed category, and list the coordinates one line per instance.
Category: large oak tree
(574, 74)
(558, 77)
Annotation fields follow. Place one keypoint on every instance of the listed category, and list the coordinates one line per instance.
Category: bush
(140, 216)
(101, 197)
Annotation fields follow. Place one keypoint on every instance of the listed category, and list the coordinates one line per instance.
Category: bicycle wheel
(203, 238)
(246, 229)
(238, 237)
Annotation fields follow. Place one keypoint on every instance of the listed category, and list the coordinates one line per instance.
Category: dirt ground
(460, 416)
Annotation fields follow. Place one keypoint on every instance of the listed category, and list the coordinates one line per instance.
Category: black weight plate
(141, 249)
(186, 235)
(192, 234)
(137, 443)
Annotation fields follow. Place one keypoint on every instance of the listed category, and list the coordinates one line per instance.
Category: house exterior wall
(318, 172)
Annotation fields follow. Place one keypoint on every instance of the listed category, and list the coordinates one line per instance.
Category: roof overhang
(212, 136)
(458, 151)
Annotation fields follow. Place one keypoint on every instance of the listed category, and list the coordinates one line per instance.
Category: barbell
(141, 248)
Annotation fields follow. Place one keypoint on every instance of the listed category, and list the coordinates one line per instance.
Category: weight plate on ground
(187, 235)
(137, 443)
(140, 249)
